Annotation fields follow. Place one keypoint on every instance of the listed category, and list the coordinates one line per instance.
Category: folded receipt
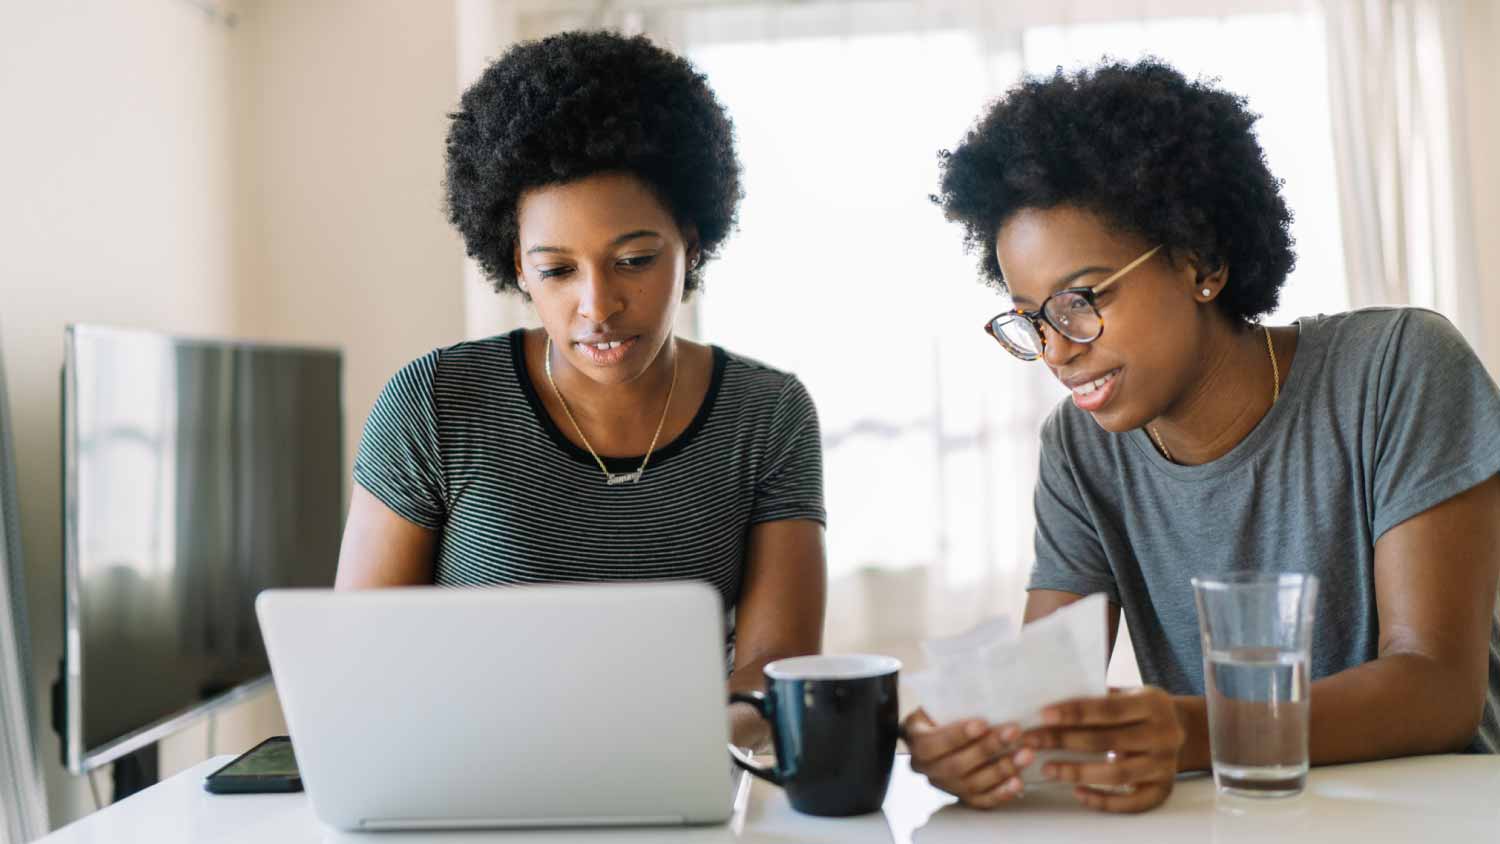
(1003, 676)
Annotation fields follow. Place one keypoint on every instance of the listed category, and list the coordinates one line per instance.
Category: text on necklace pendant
(624, 478)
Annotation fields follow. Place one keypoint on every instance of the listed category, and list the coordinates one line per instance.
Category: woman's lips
(1095, 395)
(608, 356)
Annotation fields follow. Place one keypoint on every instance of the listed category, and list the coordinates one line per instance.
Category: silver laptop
(590, 705)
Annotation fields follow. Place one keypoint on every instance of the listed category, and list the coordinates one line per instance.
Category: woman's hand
(1141, 731)
(979, 764)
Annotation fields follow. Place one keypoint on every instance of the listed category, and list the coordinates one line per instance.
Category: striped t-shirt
(458, 442)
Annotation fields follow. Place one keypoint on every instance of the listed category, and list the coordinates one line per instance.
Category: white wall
(115, 160)
(280, 178)
(341, 147)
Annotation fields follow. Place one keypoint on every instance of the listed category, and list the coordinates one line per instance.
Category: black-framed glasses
(1073, 313)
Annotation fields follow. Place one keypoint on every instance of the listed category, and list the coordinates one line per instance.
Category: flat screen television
(195, 474)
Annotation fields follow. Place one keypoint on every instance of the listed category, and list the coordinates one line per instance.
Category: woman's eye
(552, 272)
(638, 261)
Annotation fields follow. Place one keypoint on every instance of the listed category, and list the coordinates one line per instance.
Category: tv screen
(196, 474)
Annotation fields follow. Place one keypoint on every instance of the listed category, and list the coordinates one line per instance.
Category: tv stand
(136, 771)
(133, 772)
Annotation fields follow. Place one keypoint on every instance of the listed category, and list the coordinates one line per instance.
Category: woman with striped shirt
(596, 175)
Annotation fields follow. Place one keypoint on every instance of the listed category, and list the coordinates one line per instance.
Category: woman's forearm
(746, 727)
(1397, 705)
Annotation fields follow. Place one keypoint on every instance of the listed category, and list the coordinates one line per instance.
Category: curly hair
(577, 104)
(1150, 152)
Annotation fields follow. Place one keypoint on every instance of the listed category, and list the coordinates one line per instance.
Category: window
(845, 273)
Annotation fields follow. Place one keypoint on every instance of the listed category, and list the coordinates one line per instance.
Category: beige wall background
(339, 147)
(117, 196)
(280, 179)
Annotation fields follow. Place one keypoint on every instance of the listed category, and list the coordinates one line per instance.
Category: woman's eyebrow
(1064, 282)
(631, 235)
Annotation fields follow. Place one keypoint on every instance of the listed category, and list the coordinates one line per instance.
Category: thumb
(919, 723)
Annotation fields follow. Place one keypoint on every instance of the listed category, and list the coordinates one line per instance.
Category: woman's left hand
(1141, 730)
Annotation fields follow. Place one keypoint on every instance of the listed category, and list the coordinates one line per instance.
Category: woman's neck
(616, 419)
(1231, 394)
(611, 403)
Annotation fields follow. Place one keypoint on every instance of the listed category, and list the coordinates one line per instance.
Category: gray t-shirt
(1386, 413)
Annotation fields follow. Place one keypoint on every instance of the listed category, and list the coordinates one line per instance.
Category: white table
(1432, 798)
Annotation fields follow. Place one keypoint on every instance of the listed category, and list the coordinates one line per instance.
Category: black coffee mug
(834, 723)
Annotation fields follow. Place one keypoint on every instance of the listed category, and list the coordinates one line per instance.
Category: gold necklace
(612, 478)
(1275, 393)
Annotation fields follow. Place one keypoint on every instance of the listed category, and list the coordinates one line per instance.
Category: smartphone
(270, 766)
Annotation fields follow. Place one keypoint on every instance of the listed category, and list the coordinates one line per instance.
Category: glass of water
(1257, 640)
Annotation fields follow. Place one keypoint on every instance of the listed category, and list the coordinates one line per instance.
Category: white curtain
(845, 273)
(23, 802)
(1396, 89)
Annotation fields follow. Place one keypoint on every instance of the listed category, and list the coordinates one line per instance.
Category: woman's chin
(1117, 419)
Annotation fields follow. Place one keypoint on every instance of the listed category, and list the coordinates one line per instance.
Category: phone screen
(273, 759)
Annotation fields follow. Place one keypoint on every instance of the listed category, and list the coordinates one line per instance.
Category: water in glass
(1257, 716)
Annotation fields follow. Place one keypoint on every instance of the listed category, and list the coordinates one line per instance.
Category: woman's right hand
(978, 763)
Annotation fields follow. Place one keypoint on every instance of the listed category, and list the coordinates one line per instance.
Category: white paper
(993, 673)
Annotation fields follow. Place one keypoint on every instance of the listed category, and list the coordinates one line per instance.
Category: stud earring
(1207, 293)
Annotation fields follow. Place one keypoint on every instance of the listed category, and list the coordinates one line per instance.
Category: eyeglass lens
(1071, 314)
(1074, 316)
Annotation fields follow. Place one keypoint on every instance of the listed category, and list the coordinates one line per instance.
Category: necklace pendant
(624, 478)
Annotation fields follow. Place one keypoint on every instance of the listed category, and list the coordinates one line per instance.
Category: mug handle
(740, 757)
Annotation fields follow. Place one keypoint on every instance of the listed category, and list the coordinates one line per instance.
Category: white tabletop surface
(1431, 798)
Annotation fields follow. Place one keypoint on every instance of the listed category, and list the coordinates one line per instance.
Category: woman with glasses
(1128, 218)
(596, 176)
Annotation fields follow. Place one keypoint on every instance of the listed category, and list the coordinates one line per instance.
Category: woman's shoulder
(755, 379)
(1382, 346)
(1374, 331)
(473, 376)
(762, 398)
(484, 353)
(479, 361)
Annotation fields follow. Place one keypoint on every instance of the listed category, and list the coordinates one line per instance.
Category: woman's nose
(598, 297)
(1058, 350)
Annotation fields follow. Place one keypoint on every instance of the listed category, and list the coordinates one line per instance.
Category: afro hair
(1152, 153)
(577, 104)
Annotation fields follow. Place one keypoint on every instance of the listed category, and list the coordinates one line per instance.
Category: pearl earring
(1207, 293)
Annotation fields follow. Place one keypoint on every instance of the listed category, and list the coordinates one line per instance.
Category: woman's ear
(692, 247)
(520, 276)
(1210, 278)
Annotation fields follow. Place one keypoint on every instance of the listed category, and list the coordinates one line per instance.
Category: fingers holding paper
(975, 762)
(1139, 730)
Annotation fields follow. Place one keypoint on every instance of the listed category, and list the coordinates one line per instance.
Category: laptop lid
(568, 705)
